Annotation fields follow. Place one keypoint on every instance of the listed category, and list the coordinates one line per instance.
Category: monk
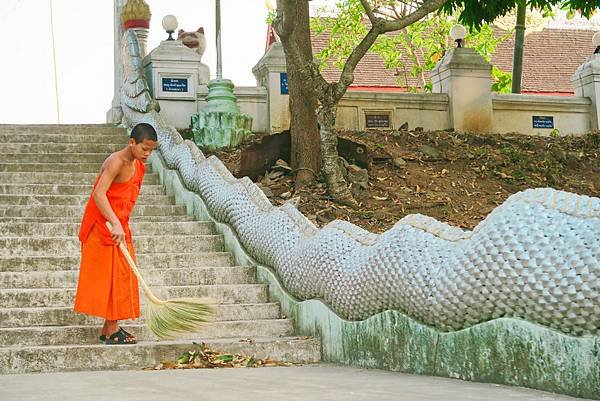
(107, 286)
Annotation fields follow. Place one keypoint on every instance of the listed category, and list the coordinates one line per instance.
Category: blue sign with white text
(174, 84)
(543, 122)
(283, 83)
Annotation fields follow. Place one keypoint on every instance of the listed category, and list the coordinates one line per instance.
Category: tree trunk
(293, 26)
(306, 157)
(336, 185)
(519, 44)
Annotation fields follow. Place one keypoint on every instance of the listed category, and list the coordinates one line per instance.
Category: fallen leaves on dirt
(203, 357)
(454, 177)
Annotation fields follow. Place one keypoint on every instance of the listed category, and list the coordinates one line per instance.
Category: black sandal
(121, 337)
(128, 334)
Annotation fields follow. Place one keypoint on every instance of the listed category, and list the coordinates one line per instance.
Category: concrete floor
(312, 382)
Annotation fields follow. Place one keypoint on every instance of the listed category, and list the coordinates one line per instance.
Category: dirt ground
(454, 177)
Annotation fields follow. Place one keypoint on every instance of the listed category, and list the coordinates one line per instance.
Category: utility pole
(54, 64)
(218, 28)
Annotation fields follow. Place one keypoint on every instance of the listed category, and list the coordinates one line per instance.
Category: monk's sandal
(121, 337)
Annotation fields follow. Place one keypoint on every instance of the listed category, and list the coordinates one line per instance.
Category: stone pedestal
(220, 97)
(220, 123)
(465, 77)
(173, 72)
(270, 72)
(586, 83)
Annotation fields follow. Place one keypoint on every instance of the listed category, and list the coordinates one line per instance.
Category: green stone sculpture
(220, 123)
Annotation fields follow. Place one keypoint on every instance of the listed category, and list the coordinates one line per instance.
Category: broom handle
(123, 247)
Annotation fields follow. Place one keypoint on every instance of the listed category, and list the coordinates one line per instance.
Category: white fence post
(586, 83)
(174, 72)
(270, 72)
(465, 77)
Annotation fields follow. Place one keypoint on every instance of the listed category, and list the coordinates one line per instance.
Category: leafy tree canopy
(474, 13)
(422, 43)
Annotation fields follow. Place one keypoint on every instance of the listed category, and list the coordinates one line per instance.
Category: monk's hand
(117, 232)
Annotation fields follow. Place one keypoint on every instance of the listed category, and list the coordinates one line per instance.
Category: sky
(83, 32)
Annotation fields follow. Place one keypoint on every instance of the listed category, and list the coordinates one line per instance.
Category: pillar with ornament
(220, 123)
(128, 14)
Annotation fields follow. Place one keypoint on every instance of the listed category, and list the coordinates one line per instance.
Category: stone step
(63, 129)
(66, 189)
(63, 297)
(153, 276)
(22, 178)
(46, 172)
(67, 246)
(72, 229)
(24, 317)
(53, 157)
(105, 148)
(80, 335)
(58, 219)
(117, 137)
(77, 211)
(145, 260)
(75, 200)
(56, 167)
(147, 354)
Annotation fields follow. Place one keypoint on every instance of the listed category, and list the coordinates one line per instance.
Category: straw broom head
(172, 317)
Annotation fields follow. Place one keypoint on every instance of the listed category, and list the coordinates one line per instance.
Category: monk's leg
(110, 326)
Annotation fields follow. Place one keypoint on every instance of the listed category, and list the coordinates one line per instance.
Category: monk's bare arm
(112, 167)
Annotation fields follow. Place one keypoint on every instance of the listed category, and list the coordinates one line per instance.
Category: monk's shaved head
(143, 131)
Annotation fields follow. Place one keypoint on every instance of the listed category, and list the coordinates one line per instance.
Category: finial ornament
(136, 14)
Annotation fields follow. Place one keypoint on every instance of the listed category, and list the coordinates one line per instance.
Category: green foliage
(502, 80)
(423, 43)
(420, 45)
(475, 13)
(271, 17)
(346, 32)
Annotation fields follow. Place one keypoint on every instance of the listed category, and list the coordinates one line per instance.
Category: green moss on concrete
(506, 351)
(516, 352)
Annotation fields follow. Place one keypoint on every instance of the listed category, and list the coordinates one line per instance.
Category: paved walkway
(313, 382)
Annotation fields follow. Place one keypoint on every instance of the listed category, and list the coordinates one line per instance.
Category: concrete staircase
(46, 174)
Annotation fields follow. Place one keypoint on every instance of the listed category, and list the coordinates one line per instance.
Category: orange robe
(107, 286)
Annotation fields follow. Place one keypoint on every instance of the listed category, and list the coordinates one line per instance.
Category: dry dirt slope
(454, 177)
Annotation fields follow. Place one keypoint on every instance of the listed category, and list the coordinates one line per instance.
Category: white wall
(426, 110)
(514, 113)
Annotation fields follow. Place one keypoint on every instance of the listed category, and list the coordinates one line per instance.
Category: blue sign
(283, 83)
(543, 122)
(174, 84)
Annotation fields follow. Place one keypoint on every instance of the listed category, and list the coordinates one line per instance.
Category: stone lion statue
(197, 42)
(193, 40)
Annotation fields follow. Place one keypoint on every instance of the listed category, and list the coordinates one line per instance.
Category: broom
(172, 317)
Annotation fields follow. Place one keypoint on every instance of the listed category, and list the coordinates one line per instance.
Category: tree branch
(426, 8)
(369, 11)
(347, 76)
(378, 26)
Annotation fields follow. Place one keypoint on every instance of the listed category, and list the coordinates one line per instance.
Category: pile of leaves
(203, 357)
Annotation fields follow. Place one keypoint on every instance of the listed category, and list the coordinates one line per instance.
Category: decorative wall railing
(536, 257)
